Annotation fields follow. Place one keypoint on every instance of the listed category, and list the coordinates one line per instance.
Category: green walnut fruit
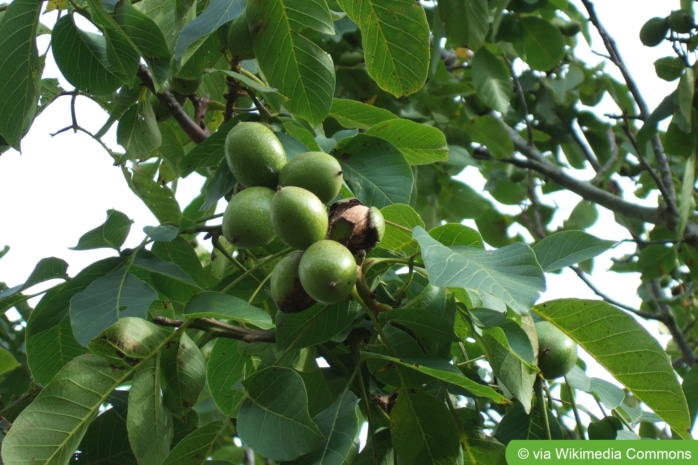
(285, 284)
(183, 86)
(247, 218)
(327, 271)
(254, 154)
(238, 38)
(298, 216)
(680, 21)
(654, 31)
(162, 112)
(557, 353)
(318, 172)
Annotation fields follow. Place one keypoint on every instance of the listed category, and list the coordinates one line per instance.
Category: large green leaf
(196, 447)
(106, 440)
(291, 62)
(511, 274)
(567, 248)
(395, 39)
(82, 58)
(149, 423)
(443, 371)
(47, 269)
(129, 341)
(488, 130)
(107, 299)
(543, 43)
(316, 325)
(354, 114)
(49, 430)
(375, 171)
(228, 307)
(138, 132)
(492, 80)
(622, 346)
(420, 144)
(20, 68)
(217, 13)
(111, 234)
(340, 425)
(400, 220)
(158, 198)
(423, 430)
(274, 419)
(226, 367)
(184, 375)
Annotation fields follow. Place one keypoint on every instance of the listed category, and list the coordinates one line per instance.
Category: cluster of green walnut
(288, 199)
(655, 30)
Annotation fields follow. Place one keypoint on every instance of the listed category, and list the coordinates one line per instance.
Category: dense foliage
(175, 351)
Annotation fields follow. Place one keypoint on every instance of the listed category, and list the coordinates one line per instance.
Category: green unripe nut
(285, 285)
(557, 353)
(182, 86)
(680, 21)
(318, 172)
(654, 31)
(298, 216)
(254, 154)
(247, 218)
(327, 271)
(161, 111)
(238, 38)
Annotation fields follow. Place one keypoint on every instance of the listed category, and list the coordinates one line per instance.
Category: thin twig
(219, 329)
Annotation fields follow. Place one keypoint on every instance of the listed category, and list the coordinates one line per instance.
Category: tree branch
(217, 328)
(666, 185)
(195, 132)
(537, 162)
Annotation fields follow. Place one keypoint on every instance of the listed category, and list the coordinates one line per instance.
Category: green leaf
(687, 202)
(217, 13)
(111, 234)
(400, 220)
(226, 367)
(420, 144)
(488, 130)
(274, 419)
(184, 375)
(148, 39)
(149, 423)
(457, 235)
(567, 248)
(395, 39)
(148, 261)
(49, 430)
(315, 325)
(543, 43)
(47, 269)
(7, 361)
(421, 323)
(669, 68)
(158, 198)
(106, 440)
(443, 371)
(354, 114)
(477, 13)
(208, 153)
(82, 58)
(375, 171)
(226, 307)
(622, 346)
(138, 132)
(291, 62)
(423, 430)
(492, 80)
(511, 274)
(195, 448)
(107, 299)
(340, 425)
(21, 69)
(129, 341)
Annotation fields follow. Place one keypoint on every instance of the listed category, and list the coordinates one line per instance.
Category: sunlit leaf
(622, 346)
(111, 234)
(395, 38)
(420, 144)
(567, 248)
(353, 114)
(21, 69)
(224, 306)
(511, 273)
